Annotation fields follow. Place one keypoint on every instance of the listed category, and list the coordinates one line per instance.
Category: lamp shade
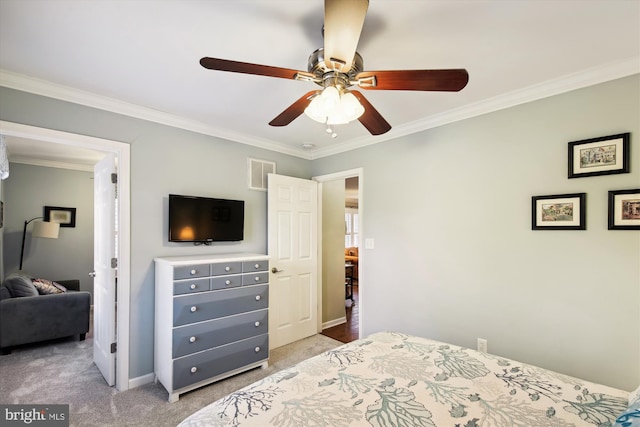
(49, 230)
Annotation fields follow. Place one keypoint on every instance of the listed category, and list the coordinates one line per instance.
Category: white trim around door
(122, 152)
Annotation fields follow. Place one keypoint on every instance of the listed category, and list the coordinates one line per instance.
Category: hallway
(348, 331)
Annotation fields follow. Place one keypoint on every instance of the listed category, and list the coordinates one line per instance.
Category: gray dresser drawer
(249, 266)
(216, 361)
(226, 268)
(255, 279)
(214, 333)
(214, 304)
(191, 286)
(187, 271)
(224, 282)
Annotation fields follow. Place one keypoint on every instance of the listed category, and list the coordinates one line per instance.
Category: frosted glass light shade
(348, 110)
(332, 108)
(49, 230)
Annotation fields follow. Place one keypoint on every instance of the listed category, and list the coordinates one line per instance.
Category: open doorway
(341, 200)
(62, 140)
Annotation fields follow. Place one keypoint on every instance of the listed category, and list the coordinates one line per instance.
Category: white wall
(455, 258)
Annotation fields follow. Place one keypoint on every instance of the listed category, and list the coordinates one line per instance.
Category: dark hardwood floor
(348, 331)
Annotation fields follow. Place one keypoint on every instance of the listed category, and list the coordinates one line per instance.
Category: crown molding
(568, 83)
(36, 86)
(51, 164)
(545, 89)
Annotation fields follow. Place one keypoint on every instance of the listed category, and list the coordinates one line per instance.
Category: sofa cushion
(47, 287)
(4, 293)
(20, 286)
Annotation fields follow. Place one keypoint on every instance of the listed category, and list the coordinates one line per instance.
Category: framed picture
(66, 217)
(599, 156)
(559, 212)
(624, 209)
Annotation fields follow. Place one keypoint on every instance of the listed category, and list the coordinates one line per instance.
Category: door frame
(122, 153)
(351, 173)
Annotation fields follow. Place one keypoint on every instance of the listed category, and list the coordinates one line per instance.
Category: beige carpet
(63, 372)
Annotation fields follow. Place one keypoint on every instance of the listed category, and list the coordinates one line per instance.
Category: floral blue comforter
(392, 379)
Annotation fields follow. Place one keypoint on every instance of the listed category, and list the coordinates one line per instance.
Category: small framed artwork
(624, 209)
(559, 212)
(605, 155)
(66, 217)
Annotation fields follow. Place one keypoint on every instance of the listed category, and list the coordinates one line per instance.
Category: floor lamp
(46, 229)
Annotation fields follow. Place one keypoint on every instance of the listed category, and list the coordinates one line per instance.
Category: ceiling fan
(337, 67)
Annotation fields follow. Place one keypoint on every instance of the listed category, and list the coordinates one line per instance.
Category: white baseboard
(334, 322)
(145, 379)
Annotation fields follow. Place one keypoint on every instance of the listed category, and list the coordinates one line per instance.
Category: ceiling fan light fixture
(333, 108)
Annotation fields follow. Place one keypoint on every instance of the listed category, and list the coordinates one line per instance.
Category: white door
(293, 251)
(104, 281)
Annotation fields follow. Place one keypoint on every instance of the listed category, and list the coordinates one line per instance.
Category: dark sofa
(28, 316)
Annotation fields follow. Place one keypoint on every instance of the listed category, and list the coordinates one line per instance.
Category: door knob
(275, 270)
(92, 274)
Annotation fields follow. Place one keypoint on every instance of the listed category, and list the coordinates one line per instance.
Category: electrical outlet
(482, 345)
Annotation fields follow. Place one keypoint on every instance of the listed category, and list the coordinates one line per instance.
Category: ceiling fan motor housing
(328, 75)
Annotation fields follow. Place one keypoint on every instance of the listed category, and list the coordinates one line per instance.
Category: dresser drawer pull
(227, 268)
(192, 339)
(193, 309)
(257, 266)
(257, 279)
(257, 324)
(194, 271)
(193, 286)
(257, 297)
(257, 349)
(194, 370)
(228, 282)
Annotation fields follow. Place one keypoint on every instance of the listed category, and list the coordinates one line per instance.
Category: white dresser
(211, 318)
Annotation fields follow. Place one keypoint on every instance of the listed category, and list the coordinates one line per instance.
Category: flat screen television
(205, 220)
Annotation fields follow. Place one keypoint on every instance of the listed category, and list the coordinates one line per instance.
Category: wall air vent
(258, 170)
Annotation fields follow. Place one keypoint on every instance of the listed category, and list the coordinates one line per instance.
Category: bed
(393, 379)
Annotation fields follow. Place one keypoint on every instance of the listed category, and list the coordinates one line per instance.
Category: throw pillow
(47, 287)
(20, 286)
(630, 417)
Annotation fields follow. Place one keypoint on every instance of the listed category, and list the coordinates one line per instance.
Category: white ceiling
(141, 58)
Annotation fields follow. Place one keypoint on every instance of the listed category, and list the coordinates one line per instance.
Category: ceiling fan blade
(452, 80)
(371, 118)
(343, 21)
(294, 110)
(248, 68)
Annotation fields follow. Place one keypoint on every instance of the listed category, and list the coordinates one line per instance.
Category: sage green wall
(27, 190)
(333, 302)
(455, 258)
(164, 160)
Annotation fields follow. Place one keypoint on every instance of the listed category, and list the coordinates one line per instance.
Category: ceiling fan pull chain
(330, 130)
